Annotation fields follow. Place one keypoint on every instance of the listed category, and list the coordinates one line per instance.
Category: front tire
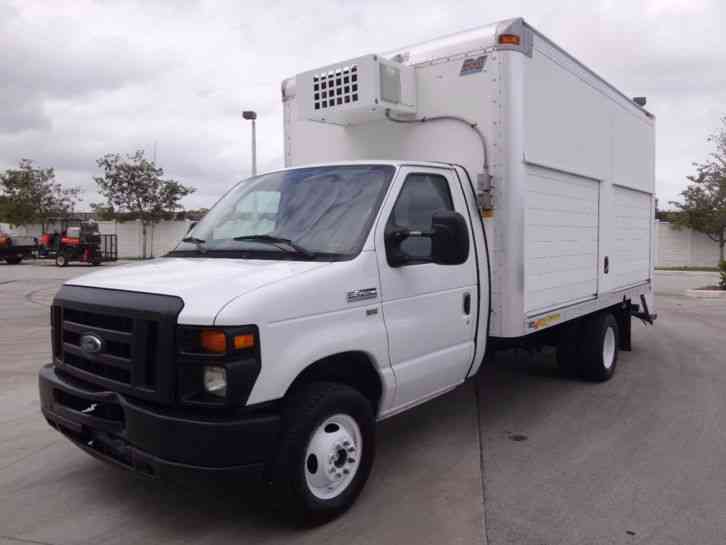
(326, 451)
(13, 260)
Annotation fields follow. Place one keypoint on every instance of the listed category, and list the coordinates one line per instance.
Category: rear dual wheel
(61, 260)
(589, 347)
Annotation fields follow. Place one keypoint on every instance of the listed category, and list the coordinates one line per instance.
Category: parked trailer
(15, 248)
(479, 191)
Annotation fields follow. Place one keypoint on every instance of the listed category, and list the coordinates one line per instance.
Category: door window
(420, 196)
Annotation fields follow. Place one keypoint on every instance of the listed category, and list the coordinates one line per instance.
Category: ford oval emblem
(91, 344)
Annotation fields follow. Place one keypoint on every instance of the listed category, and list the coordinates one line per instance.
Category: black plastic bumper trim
(151, 442)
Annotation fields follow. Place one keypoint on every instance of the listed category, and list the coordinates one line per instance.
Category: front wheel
(326, 453)
(14, 260)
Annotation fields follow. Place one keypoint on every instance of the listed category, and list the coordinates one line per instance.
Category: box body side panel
(589, 157)
(561, 238)
(631, 255)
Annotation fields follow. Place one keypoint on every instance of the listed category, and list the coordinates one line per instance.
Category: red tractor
(81, 243)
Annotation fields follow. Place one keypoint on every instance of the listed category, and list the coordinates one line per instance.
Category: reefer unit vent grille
(335, 87)
(356, 91)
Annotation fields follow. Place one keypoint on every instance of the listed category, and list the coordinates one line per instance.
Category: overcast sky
(82, 78)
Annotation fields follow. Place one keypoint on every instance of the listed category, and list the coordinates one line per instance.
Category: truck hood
(204, 284)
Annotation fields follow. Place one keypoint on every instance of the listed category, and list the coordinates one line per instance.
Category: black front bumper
(159, 443)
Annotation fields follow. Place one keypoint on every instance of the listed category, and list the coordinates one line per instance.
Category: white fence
(162, 237)
(684, 247)
(674, 248)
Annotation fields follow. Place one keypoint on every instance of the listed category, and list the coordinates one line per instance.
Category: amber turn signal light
(509, 39)
(213, 341)
(244, 341)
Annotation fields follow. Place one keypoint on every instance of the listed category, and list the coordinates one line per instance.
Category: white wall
(162, 237)
(167, 234)
(25, 230)
(684, 248)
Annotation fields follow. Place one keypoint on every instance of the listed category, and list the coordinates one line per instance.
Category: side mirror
(192, 225)
(449, 238)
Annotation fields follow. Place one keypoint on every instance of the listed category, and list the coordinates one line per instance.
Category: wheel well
(355, 369)
(621, 313)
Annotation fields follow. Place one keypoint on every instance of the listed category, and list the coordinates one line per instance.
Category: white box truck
(479, 191)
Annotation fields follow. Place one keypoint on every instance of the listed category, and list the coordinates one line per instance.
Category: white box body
(572, 160)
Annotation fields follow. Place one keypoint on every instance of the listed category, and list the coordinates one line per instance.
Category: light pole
(252, 116)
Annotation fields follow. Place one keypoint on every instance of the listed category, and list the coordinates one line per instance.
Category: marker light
(509, 39)
(213, 341)
(244, 341)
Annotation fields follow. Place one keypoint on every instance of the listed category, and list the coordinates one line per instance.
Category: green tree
(32, 195)
(134, 189)
(704, 201)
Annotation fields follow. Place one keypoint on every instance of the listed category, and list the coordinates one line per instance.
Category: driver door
(428, 308)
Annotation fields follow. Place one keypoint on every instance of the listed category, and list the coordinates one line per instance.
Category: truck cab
(194, 360)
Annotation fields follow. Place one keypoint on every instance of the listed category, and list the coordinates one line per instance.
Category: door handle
(467, 303)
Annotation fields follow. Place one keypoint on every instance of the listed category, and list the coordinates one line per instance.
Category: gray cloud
(46, 59)
(87, 78)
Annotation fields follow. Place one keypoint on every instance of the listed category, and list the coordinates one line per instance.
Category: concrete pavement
(639, 459)
(519, 455)
(676, 282)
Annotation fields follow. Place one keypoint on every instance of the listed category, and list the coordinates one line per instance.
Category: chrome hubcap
(332, 457)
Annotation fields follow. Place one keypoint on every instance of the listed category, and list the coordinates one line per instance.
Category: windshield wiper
(284, 244)
(197, 242)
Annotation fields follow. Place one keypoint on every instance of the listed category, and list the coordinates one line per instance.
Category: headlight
(217, 366)
(215, 381)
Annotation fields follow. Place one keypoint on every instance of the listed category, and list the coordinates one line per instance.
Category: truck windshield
(307, 213)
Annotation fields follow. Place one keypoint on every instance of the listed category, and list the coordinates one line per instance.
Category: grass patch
(691, 269)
